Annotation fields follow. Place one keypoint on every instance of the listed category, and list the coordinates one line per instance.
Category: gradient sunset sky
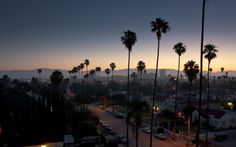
(62, 33)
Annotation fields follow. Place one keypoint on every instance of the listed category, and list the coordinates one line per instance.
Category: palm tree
(179, 48)
(141, 66)
(222, 71)
(128, 40)
(201, 68)
(39, 72)
(210, 53)
(92, 72)
(191, 70)
(81, 68)
(107, 71)
(98, 69)
(158, 26)
(78, 70)
(86, 62)
(113, 66)
(135, 115)
(56, 79)
(134, 76)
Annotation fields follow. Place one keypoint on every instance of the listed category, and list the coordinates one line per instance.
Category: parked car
(118, 115)
(160, 136)
(121, 139)
(146, 130)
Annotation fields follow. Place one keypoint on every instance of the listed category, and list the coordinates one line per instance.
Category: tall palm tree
(74, 71)
(140, 66)
(81, 68)
(86, 62)
(113, 66)
(98, 69)
(134, 76)
(107, 71)
(210, 53)
(179, 48)
(158, 26)
(135, 115)
(128, 40)
(78, 70)
(56, 79)
(201, 68)
(222, 71)
(191, 70)
(39, 72)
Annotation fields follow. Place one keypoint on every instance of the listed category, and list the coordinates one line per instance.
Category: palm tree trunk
(140, 88)
(189, 120)
(99, 76)
(107, 101)
(201, 66)
(127, 108)
(154, 89)
(176, 94)
(137, 135)
(112, 75)
(208, 99)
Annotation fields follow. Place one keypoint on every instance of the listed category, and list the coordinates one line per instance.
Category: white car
(160, 136)
(146, 130)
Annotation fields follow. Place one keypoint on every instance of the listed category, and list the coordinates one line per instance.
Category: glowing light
(43, 146)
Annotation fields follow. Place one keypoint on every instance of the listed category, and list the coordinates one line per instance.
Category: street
(119, 127)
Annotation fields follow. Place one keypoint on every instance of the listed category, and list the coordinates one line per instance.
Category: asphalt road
(119, 127)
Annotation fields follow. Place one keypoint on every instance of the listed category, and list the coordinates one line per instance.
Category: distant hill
(46, 72)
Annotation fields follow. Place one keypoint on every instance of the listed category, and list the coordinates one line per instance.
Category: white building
(220, 119)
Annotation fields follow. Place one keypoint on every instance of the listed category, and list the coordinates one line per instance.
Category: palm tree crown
(107, 71)
(210, 52)
(179, 48)
(98, 69)
(39, 70)
(159, 26)
(113, 66)
(222, 69)
(56, 78)
(141, 66)
(82, 66)
(92, 72)
(191, 70)
(129, 39)
(86, 62)
(134, 75)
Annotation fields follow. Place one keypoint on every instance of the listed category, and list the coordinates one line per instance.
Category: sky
(61, 34)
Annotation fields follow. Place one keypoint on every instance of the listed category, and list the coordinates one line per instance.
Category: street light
(230, 104)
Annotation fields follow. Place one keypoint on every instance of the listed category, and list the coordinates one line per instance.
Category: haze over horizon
(60, 34)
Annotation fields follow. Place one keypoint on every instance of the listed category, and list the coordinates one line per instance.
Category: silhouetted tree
(39, 72)
(210, 53)
(191, 70)
(201, 70)
(158, 26)
(98, 69)
(135, 115)
(140, 67)
(128, 40)
(113, 66)
(179, 48)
